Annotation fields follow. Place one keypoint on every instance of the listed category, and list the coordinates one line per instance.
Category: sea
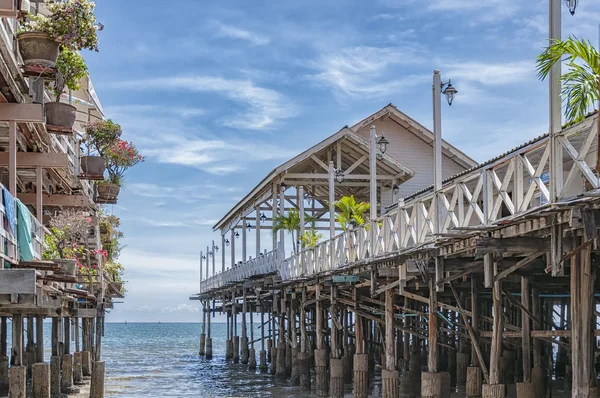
(161, 360)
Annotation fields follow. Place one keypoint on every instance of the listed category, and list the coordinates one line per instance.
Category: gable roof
(417, 129)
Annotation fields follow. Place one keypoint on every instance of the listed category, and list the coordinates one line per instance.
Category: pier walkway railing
(505, 187)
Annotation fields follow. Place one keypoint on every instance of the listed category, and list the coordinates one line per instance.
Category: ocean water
(161, 360)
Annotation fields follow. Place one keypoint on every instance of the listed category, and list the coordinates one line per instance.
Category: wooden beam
(22, 112)
(523, 263)
(35, 159)
(522, 244)
(470, 267)
(56, 200)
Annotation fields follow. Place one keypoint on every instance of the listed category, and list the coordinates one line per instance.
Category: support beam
(29, 160)
(56, 200)
(18, 112)
(521, 244)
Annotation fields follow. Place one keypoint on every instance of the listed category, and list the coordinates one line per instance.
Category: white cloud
(212, 155)
(181, 111)
(265, 106)
(234, 32)
(487, 10)
(365, 71)
(493, 74)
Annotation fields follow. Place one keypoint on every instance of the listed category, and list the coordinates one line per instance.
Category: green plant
(72, 23)
(67, 229)
(351, 213)
(71, 68)
(289, 223)
(310, 238)
(120, 157)
(101, 135)
(581, 83)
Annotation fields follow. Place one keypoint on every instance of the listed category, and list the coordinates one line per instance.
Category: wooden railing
(505, 187)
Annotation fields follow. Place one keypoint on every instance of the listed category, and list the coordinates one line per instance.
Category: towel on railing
(24, 232)
(9, 208)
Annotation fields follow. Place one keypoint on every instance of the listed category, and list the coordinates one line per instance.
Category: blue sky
(217, 94)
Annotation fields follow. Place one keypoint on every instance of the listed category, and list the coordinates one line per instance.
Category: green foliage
(580, 84)
(101, 135)
(72, 23)
(121, 156)
(67, 229)
(71, 68)
(351, 212)
(290, 223)
(310, 238)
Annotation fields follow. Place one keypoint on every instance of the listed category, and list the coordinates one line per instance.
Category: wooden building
(487, 284)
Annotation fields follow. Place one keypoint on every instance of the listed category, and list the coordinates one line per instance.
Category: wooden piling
(66, 380)
(336, 373)
(244, 339)
(236, 338)
(251, 351)
(263, 354)
(39, 338)
(361, 359)
(202, 350)
(322, 379)
(304, 355)
(209, 351)
(17, 376)
(78, 368)
(281, 371)
(55, 376)
(295, 371)
(389, 375)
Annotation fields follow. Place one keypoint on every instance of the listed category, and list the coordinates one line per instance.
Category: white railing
(505, 187)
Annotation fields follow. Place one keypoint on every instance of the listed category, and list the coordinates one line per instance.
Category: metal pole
(233, 247)
(12, 158)
(201, 270)
(556, 164)
(437, 147)
(257, 231)
(213, 258)
(207, 255)
(301, 211)
(244, 226)
(282, 212)
(373, 185)
(331, 212)
(223, 252)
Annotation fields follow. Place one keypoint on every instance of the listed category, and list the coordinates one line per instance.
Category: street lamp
(395, 189)
(382, 144)
(249, 226)
(263, 218)
(227, 242)
(237, 235)
(572, 5)
(450, 92)
(339, 176)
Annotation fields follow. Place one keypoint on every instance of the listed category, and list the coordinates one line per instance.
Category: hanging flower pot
(38, 48)
(60, 114)
(107, 191)
(67, 266)
(92, 167)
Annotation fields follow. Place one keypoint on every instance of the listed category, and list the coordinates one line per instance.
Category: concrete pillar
(295, 376)
(273, 357)
(86, 363)
(525, 390)
(236, 349)
(474, 381)
(289, 358)
(209, 354)
(55, 376)
(435, 385)
(97, 385)
(462, 363)
(304, 370)
(321, 373)
(252, 359)
(538, 378)
(281, 368)
(493, 391)
(361, 375)
(228, 349)
(40, 380)
(202, 344)
(245, 352)
(17, 376)
(347, 361)
(77, 368)
(66, 382)
(4, 375)
(336, 377)
(263, 361)
(389, 381)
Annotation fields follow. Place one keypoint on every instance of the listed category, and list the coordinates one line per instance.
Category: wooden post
(281, 372)
(432, 357)
(361, 359)
(321, 351)
(304, 356)
(236, 338)
(252, 359)
(67, 336)
(12, 158)
(295, 376)
(389, 375)
(245, 353)
(336, 373)
(263, 354)
(17, 340)
(538, 377)
(495, 388)
(526, 330)
(582, 306)
(257, 210)
(209, 352)
(39, 339)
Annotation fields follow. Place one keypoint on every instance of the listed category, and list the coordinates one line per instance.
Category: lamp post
(449, 92)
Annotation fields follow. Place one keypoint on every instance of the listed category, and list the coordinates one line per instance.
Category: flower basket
(60, 114)
(38, 48)
(108, 191)
(92, 167)
(67, 266)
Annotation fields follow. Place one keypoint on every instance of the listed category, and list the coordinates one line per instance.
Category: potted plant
(99, 136)
(70, 68)
(120, 156)
(71, 25)
(63, 242)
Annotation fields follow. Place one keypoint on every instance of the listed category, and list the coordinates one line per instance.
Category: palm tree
(290, 223)
(581, 84)
(311, 237)
(351, 212)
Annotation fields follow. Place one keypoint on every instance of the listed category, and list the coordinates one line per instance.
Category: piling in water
(97, 384)
(40, 380)
(17, 376)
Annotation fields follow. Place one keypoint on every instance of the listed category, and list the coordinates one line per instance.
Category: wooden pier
(486, 286)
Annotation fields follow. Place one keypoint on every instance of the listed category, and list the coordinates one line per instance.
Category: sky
(217, 94)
